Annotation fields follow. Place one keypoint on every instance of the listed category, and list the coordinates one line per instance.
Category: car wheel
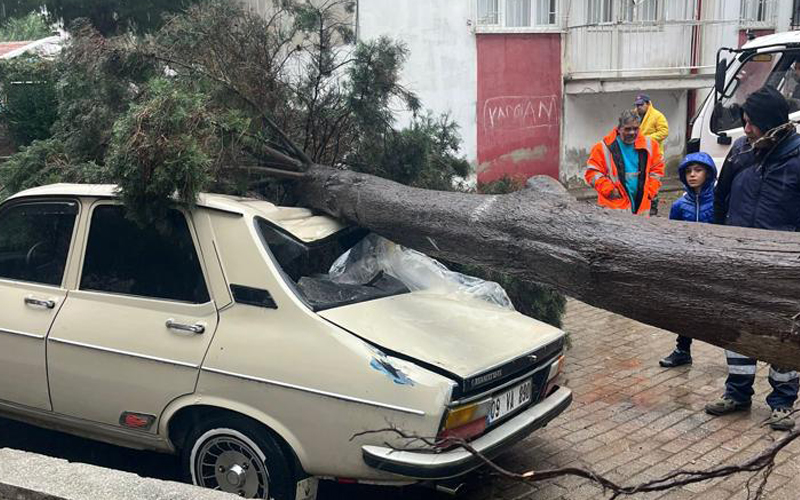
(237, 456)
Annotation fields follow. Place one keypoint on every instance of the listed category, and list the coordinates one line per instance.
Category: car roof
(777, 38)
(301, 223)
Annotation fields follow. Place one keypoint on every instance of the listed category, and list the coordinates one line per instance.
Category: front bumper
(421, 465)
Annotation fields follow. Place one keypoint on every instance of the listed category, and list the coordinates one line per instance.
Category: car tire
(237, 456)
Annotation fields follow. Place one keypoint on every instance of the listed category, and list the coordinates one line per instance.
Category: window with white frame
(756, 11)
(545, 12)
(517, 13)
(488, 12)
(642, 10)
(600, 11)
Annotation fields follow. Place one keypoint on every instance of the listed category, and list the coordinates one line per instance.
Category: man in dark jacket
(740, 156)
(764, 180)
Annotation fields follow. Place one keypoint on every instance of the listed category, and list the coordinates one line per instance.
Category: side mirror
(719, 75)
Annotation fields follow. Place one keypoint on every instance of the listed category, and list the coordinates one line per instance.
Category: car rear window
(158, 260)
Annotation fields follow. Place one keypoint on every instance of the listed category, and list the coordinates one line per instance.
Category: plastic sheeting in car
(375, 255)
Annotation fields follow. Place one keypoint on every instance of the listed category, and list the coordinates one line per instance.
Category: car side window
(35, 239)
(157, 261)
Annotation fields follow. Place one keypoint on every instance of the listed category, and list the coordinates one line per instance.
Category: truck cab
(772, 60)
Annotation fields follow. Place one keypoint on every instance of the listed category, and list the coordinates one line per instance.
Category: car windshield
(354, 265)
(306, 265)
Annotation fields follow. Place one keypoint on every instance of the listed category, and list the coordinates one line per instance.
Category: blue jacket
(766, 194)
(696, 207)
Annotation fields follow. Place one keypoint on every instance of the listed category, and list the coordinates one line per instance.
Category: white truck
(767, 60)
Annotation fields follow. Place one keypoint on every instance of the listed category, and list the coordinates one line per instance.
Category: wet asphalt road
(160, 466)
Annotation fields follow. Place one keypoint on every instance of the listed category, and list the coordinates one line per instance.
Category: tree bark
(736, 288)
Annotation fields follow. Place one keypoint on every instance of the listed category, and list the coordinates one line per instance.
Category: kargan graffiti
(520, 112)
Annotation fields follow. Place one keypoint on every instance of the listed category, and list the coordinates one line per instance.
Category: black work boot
(677, 358)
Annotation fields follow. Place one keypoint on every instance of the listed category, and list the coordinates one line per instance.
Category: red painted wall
(519, 105)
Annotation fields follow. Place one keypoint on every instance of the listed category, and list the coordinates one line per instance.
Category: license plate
(510, 401)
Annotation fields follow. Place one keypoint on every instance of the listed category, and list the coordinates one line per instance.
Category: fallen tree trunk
(735, 288)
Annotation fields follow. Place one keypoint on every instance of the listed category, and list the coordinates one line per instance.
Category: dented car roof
(301, 223)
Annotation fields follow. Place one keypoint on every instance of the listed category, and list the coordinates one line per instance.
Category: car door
(35, 238)
(133, 335)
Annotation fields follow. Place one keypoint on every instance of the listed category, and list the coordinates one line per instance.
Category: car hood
(464, 336)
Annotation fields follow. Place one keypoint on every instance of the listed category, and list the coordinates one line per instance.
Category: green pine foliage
(31, 26)
(209, 98)
(28, 86)
(177, 147)
(109, 17)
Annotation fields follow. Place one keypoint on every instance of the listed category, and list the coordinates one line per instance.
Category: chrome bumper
(420, 465)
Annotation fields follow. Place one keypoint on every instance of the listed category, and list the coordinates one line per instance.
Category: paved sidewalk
(633, 420)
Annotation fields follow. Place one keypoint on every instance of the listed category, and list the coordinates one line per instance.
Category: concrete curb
(28, 476)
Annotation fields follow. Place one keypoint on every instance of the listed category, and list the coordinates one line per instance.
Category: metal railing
(627, 49)
(657, 37)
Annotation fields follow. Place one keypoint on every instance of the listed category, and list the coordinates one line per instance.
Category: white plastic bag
(415, 270)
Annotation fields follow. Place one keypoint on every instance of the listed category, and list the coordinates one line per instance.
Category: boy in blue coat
(699, 174)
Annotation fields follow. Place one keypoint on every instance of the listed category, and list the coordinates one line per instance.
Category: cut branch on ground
(762, 463)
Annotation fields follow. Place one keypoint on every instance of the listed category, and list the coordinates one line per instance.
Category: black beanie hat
(766, 108)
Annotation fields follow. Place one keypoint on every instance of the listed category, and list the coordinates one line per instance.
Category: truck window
(776, 69)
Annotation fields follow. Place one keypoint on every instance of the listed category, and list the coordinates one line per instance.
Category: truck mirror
(719, 75)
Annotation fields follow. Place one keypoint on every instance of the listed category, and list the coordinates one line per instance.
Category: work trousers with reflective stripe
(742, 375)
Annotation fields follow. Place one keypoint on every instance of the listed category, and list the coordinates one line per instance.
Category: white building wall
(442, 63)
(589, 117)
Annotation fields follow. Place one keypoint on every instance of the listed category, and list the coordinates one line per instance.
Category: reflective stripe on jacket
(602, 173)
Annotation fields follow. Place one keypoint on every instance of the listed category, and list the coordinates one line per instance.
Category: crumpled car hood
(464, 336)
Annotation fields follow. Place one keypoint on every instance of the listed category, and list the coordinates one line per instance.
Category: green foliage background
(204, 102)
(30, 103)
(31, 26)
(109, 17)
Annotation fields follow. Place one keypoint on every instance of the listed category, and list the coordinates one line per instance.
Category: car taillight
(552, 378)
(464, 422)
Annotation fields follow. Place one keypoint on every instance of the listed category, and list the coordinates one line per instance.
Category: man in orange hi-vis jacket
(625, 168)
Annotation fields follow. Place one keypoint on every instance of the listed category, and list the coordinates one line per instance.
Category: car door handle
(196, 328)
(46, 303)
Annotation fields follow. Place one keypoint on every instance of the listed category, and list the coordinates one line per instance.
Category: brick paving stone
(635, 421)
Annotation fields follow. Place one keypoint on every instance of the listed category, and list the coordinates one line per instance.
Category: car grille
(486, 381)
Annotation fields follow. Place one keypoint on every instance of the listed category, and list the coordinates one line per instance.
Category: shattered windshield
(306, 265)
(354, 265)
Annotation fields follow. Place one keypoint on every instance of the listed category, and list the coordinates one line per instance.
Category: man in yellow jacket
(654, 125)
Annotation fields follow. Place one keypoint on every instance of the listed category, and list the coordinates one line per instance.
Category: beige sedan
(221, 334)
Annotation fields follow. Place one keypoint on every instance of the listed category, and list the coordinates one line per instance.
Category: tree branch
(272, 172)
(764, 461)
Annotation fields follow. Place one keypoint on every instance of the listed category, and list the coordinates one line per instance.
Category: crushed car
(267, 346)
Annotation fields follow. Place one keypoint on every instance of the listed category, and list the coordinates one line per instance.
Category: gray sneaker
(781, 419)
(725, 405)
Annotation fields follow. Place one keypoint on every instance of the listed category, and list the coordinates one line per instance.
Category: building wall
(519, 105)
(589, 117)
(441, 66)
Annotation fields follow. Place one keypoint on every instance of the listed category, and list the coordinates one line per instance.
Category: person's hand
(615, 195)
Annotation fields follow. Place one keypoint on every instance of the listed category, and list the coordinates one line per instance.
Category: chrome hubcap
(236, 476)
(228, 464)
